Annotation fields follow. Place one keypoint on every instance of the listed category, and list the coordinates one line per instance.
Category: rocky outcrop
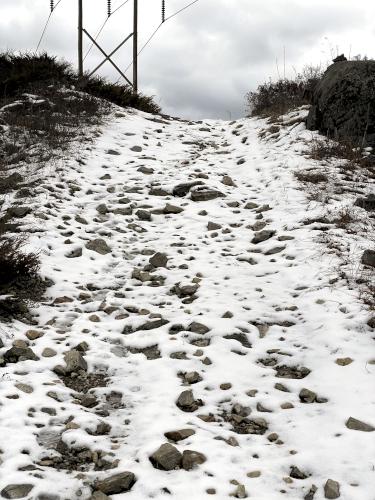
(344, 102)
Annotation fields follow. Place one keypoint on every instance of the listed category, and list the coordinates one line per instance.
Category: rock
(205, 194)
(254, 473)
(153, 324)
(16, 354)
(172, 209)
(113, 152)
(343, 361)
(251, 205)
(342, 103)
(27, 389)
(311, 493)
(159, 260)
(136, 149)
(187, 403)
(118, 483)
(240, 492)
(102, 209)
(239, 337)
(371, 322)
(74, 361)
(179, 435)
(296, 473)
(192, 377)
(183, 189)
(99, 246)
(367, 203)
(10, 182)
(167, 457)
(16, 490)
(185, 290)
(145, 170)
(357, 425)
(261, 236)
(143, 215)
(73, 254)
(198, 328)
(212, 226)
(274, 250)
(18, 212)
(88, 401)
(191, 459)
(331, 489)
(34, 334)
(98, 495)
(307, 396)
(294, 372)
(48, 353)
(368, 257)
(244, 425)
(228, 181)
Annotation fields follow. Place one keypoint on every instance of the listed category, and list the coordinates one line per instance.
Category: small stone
(212, 226)
(118, 483)
(159, 260)
(254, 473)
(48, 353)
(311, 493)
(281, 387)
(94, 318)
(179, 435)
(98, 495)
(368, 258)
(16, 490)
(167, 457)
(204, 194)
(186, 401)
(343, 361)
(99, 246)
(286, 406)
(75, 253)
(240, 492)
(191, 459)
(136, 149)
(296, 473)
(74, 361)
(273, 437)
(34, 334)
(261, 236)
(331, 489)
(211, 491)
(183, 189)
(226, 386)
(143, 215)
(24, 388)
(16, 354)
(89, 401)
(192, 377)
(307, 396)
(198, 328)
(228, 181)
(357, 425)
(172, 209)
(102, 209)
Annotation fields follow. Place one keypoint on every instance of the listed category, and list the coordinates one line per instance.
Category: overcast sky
(202, 62)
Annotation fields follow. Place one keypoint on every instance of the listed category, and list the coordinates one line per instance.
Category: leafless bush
(15, 264)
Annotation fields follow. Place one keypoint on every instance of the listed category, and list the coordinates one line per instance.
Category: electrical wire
(156, 30)
(46, 25)
(102, 28)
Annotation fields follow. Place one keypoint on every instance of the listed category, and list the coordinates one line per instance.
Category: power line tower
(134, 35)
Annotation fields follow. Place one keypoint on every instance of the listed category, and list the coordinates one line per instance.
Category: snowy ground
(280, 300)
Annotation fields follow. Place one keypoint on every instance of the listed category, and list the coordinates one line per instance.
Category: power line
(158, 28)
(102, 28)
(47, 23)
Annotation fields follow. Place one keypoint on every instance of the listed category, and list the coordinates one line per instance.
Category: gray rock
(185, 290)
(73, 254)
(16, 354)
(307, 396)
(331, 489)
(294, 372)
(167, 457)
(240, 492)
(136, 149)
(192, 377)
(118, 483)
(357, 425)
(191, 459)
(187, 403)
(205, 194)
(296, 473)
(99, 246)
(172, 209)
(16, 490)
(153, 324)
(143, 215)
(183, 189)
(367, 203)
(98, 495)
(102, 209)
(311, 493)
(368, 258)
(343, 102)
(74, 361)
(251, 205)
(239, 337)
(18, 212)
(261, 236)
(159, 260)
(212, 226)
(113, 152)
(198, 328)
(228, 181)
(179, 435)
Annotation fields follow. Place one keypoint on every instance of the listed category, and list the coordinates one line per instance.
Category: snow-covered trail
(240, 305)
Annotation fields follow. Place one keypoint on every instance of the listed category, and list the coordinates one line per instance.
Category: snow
(298, 286)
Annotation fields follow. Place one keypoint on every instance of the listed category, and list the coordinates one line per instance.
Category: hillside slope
(217, 288)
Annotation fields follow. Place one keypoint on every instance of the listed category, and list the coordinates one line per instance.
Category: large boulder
(344, 102)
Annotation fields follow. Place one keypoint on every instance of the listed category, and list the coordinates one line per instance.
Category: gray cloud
(202, 62)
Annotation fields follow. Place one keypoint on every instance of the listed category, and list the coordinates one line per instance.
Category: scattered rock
(191, 459)
(311, 493)
(204, 193)
(167, 457)
(187, 403)
(16, 490)
(183, 189)
(307, 396)
(179, 435)
(143, 215)
(368, 258)
(343, 361)
(16, 354)
(331, 489)
(118, 483)
(357, 425)
(99, 246)
(261, 236)
(48, 353)
(296, 473)
(294, 372)
(172, 209)
(228, 181)
(159, 260)
(74, 361)
(198, 328)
